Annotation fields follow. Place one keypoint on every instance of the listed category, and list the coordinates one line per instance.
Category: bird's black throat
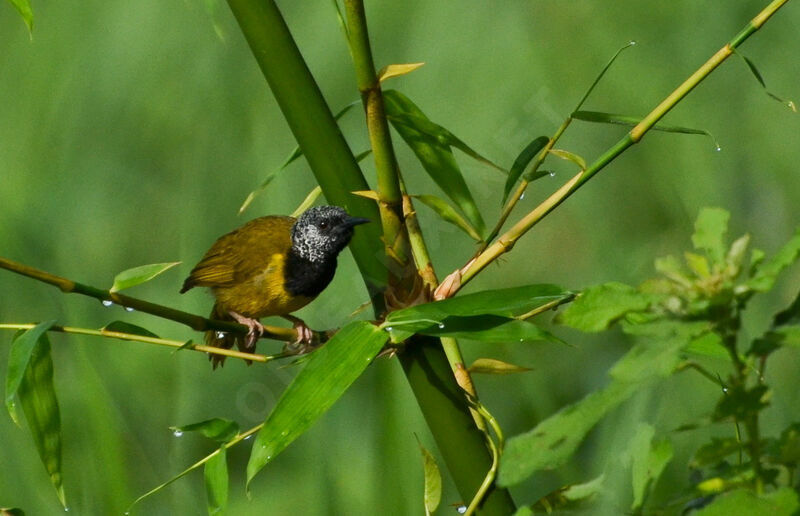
(305, 277)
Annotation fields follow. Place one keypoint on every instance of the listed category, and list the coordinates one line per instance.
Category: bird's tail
(221, 339)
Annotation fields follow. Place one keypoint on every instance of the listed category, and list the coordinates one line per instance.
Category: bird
(271, 266)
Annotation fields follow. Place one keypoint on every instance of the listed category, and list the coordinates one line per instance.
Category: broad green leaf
(491, 328)
(787, 449)
(23, 7)
(328, 372)
(37, 396)
(673, 269)
(218, 429)
(568, 497)
(307, 202)
(569, 156)
(555, 439)
(123, 327)
(708, 344)
(396, 70)
(781, 502)
(433, 481)
(752, 66)
(709, 234)
(767, 272)
(433, 152)
(698, 264)
(630, 121)
(294, 155)
(739, 402)
(716, 450)
(448, 214)
(525, 157)
(18, 360)
(494, 366)
(790, 316)
(648, 461)
(216, 477)
(596, 308)
(503, 303)
(137, 275)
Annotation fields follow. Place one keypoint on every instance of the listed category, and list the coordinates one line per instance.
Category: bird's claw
(304, 342)
(254, 331)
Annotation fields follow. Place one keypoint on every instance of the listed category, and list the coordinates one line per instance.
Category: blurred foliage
(131, 133)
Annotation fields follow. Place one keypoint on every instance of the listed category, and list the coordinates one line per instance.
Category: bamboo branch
(506, 241)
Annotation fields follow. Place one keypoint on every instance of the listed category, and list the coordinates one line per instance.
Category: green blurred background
(130, 133)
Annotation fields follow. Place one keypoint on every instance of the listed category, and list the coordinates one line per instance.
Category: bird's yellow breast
(261, 294)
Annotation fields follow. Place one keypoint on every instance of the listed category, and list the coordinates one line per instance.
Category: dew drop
(441, 325)
(107, 302)
(462, 509)
(177, 433)
(66, 509)
(220, 335)
(129, 309)
(631, 42)
(552, 174)
(388, 328)
(521, 196)
(522, 340)
(725, 390)
(718, 148)
(285, 433)
(248, 437)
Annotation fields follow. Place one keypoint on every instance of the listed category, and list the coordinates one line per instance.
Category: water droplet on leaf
(552, 174)
(107, 302)
(441, 325)
(129, 309)
(220, 335)
(177, 433)
(522, 196)
(462, 509)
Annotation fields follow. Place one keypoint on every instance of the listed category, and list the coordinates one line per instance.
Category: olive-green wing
(242, 253)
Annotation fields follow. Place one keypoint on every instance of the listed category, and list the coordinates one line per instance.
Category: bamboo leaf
(307, 202)
(294, 155)
(367, 194)
(709, 234)
(433, 481)
(448, 214)
(431, 144)
(124, 327)
(396, 70)
(490, 328)
(18, 360)
(569, 156)
(494, 366)
(218, 429)
(752, 66)
(137, 275)
(602, 73)
(525, 157)
(767, 272)
(328, 372)
(23, 7)
(37, 396)
(216, 479)
(597, 307)
(630, 121)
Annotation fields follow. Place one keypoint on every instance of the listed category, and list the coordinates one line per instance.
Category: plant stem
(148, 340)
(508, 239)
(193, 321)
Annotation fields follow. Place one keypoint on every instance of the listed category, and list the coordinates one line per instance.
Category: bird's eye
(323, 225)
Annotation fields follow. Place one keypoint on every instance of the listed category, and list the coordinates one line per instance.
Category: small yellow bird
(272, 265)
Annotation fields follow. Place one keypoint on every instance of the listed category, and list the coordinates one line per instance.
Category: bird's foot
(305, 337)
(255, 331)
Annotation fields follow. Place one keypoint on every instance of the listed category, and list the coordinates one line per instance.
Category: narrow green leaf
(525, 157)
(23, 7)
(219, 429)
(137, 275)
(448, 214)
(735, 256)
(18, 360)
(396, 70)
(307, 202)
(329, 371)
(433, 481)
(752, 66)
(767, 272)
(294, 155)
(698, 264)
(630, 121)
(124, 327)
(37, 396)
(597, 307)
(433, 152)
(569, 156)
(494, 366)
(216, 477)
(781, 502)
(602, 73)
(709, 234)
(489, 328)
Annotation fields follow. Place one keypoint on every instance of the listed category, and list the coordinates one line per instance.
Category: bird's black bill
(355, 221)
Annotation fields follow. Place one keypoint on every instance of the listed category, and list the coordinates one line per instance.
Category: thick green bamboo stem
(508, 239)
(314, 127)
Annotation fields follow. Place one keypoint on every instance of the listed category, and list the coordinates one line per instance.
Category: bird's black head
(322, 232)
